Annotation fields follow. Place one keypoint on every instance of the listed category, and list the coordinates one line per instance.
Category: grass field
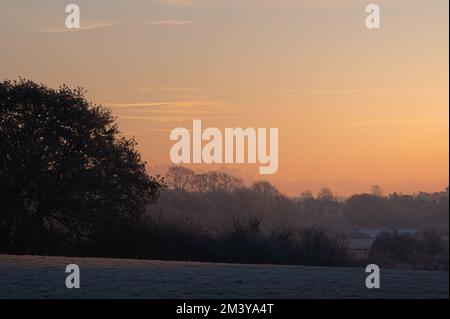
(44, 277)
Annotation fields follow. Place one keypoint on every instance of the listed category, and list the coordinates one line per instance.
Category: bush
(421, 251)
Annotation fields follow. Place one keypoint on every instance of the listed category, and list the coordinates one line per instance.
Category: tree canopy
(66, 172)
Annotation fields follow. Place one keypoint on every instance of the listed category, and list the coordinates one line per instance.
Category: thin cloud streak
(395, 122)
(179, 2)
(157, 130)
(132, 105)
(163, 23)
(180, 89)
(82, 28)
(156, 105)
(319, 91)
(165, 118)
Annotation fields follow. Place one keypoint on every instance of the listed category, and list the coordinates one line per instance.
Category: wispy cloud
(157, 105)
(158, 130)
(166, 118)
(84, 27)
(179, 2)
(163, 23)
(265, 3)
(134, 105)
(394, 122)
(171, 112)
(179, 89)
(309, 91)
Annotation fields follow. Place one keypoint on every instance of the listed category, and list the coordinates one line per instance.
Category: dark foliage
(242, 243)
(397, 210)
(425, 250)
(67, 177)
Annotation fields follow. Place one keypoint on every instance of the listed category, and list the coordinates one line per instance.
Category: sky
(354, 106)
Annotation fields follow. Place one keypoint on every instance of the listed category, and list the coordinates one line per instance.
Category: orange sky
(354, 107)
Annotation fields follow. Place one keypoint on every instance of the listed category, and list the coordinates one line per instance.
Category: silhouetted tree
(210, 181)
(317, 247)
(179, 177)
(391, 248)
(432, 243)
(376, 191)
(368, 210)
(265, 189)
(67, 176)
(306, 196)
(326, 195)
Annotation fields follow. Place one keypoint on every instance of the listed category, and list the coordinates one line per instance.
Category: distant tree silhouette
(368, 210)
(306, 196)
(67, 176)
(221, 182)
(179, 177)
(376, 190)
(265, 189)
(424, 250)
(326, 195)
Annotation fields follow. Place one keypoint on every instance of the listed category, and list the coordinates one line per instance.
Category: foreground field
(44, 277)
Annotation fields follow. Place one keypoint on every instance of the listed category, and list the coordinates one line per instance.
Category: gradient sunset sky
(354, 106)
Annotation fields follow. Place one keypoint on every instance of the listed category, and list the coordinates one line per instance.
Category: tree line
(72, 184)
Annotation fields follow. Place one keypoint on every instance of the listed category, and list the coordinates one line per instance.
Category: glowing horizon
(354, 107)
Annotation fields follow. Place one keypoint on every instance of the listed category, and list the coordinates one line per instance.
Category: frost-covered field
(44, 277)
